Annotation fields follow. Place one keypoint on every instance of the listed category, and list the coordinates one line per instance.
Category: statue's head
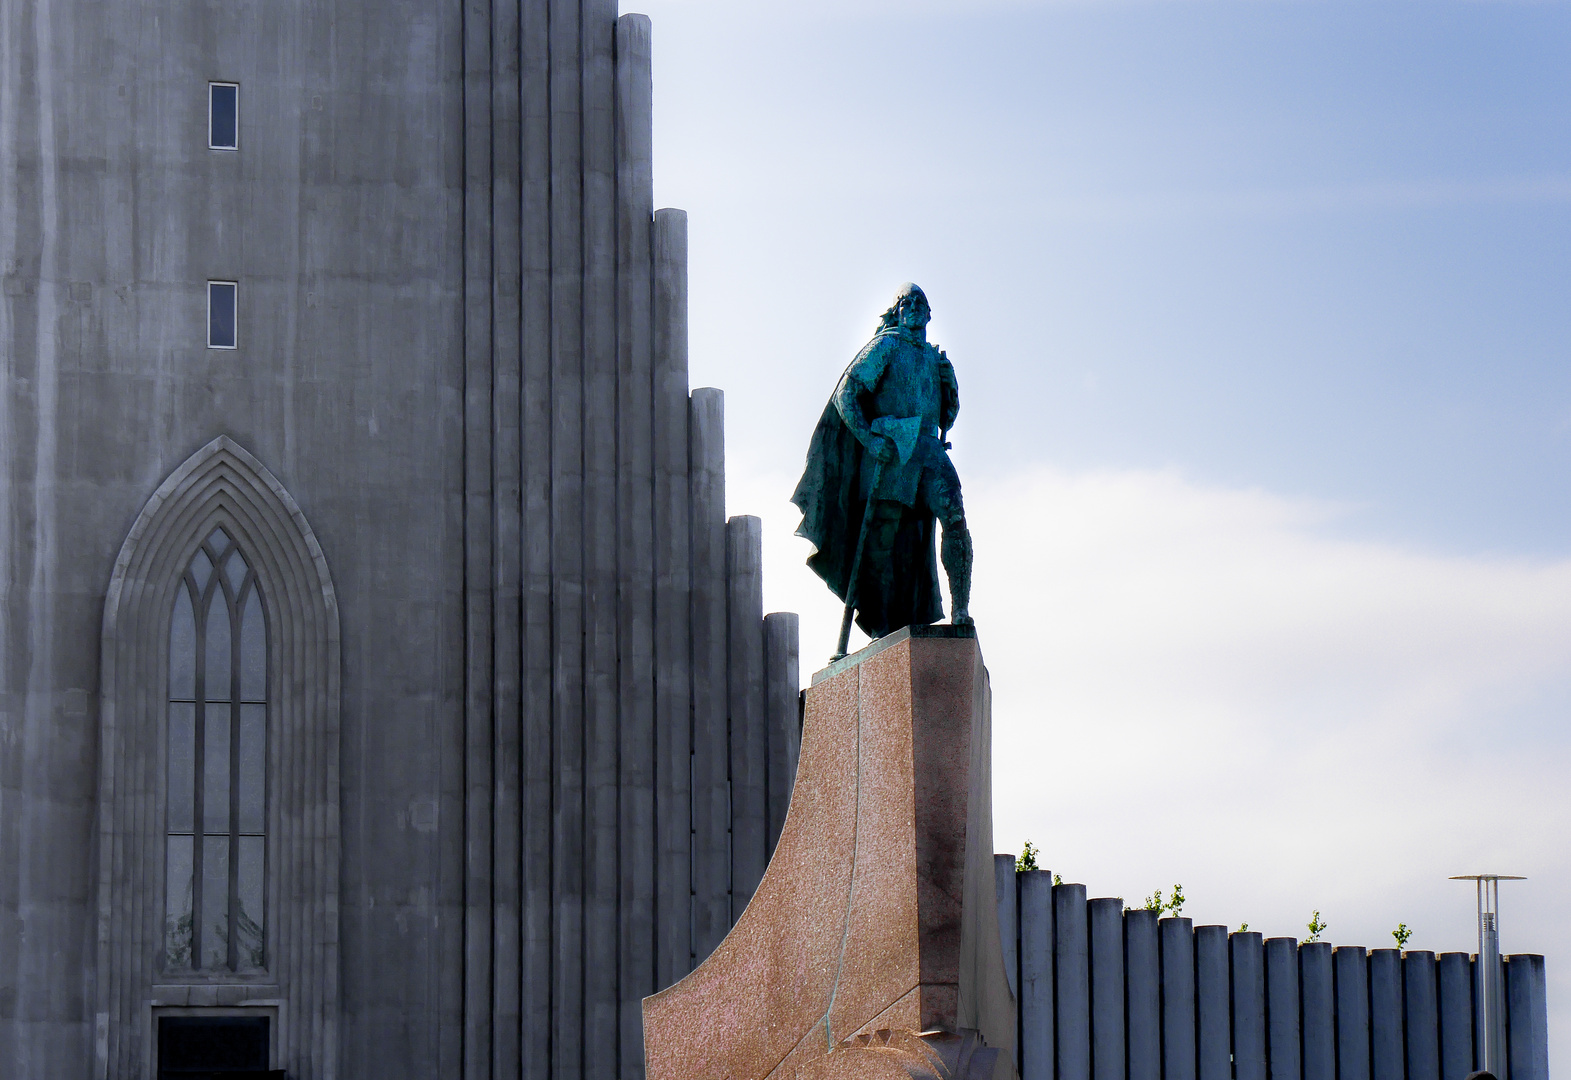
(910, 311)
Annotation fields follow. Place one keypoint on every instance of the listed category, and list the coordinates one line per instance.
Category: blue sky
(1260, 312)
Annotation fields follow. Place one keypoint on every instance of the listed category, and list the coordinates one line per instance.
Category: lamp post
(1490, 1012)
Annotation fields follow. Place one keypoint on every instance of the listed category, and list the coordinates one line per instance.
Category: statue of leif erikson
(878, 477)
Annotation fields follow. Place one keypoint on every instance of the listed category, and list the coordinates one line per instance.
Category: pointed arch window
(216, 778)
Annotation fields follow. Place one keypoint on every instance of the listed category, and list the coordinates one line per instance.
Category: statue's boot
(956, 551)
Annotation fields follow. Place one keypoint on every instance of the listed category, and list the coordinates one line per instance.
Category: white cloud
(1208, 686)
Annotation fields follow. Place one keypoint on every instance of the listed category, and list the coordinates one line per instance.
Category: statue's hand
(883, 448)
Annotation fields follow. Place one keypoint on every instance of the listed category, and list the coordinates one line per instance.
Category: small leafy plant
(1401, 933)
(1172, 905)
(1317, 926)
(1057, 880)
(1027, 859)
(1243, 928)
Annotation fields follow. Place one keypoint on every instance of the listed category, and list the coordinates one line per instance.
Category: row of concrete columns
(1106, 993)
(631, 715)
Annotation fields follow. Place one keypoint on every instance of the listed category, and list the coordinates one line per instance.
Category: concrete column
(1213, 1009)
(673, 640)
(601, 572)
(711, 756)
(1454, 1006)
(1317, 998)
(1423, 1021)
(1527, 1006)
(1249, 1006)
(1350, 972)
(507, 789)
(635, 461)
(1071, 957)
(783, 679)
(567, 543)
(1143, 982)
(1036, 975)
(479, 523)
(1385, 1016)
(538, 434)
(1008, 925)
(1176, 938)
(746, 705)
(1105, 917)
(1282, 1036)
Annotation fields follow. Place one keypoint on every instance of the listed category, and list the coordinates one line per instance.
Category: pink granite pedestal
(871, 947)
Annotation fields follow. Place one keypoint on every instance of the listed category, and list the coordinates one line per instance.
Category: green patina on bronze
(880, 455)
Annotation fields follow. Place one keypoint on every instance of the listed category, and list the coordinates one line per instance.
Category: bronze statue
(878, 475)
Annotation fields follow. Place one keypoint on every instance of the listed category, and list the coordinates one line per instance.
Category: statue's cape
(830, 498)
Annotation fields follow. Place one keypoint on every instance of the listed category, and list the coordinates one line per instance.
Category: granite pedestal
(871, 947)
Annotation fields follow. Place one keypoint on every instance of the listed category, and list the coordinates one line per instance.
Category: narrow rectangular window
(223, 116)
(221, 314)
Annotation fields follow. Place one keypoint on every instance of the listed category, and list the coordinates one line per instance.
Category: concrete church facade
(387, 677)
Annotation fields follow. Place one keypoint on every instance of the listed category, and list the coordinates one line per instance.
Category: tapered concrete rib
(567, 527)
(1106, 934)
(1143, 994)
(1177, 940)
(504, 1057)
(1036, 975)
(1350, 970)
(601, 1043)
(746, 704)
(1454, 973)
(673, 576)
(479, 737)
(1071, 953)
(1213, 1014)
(711, 757)
(537, 420)
(1527, 1004)
(1282, 1042)
(1008, 925)
(782, 679)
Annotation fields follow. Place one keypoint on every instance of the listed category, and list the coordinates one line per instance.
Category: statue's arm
(860, 378)
(949, 407)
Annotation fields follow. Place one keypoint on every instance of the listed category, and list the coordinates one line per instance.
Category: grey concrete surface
(462, 353)
(1036, 975)
(1073, 974)
(1350, 968)
(1282, 1013)
(1177, 941)
(1385, 1016)
(1317, 1000)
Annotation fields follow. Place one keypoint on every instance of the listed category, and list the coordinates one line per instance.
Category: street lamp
(1490, 1013)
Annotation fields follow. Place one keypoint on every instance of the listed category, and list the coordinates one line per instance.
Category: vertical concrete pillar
(1143, 994)
(1350, 972)
(746, 703)
(637, 758)
(1105, 917)
(567, 542)
(711, 754)
(1008, 925)
(783, 679)
(673, 640)
(1527, 1007)
(1423, 1027)
(1454, 1006)
(1316, 995)
(1249, 1006)
(538, 299)
(1213, 1009)
(601, 645)
(1386, 1060)
(1036, 975)
(1282, 1037)
(480, 262)
(1177, 942)
(1071, 957)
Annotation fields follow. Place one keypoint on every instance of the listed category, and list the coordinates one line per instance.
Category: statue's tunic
(906, 389)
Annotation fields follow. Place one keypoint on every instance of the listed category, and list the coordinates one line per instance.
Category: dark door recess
(214, 1048)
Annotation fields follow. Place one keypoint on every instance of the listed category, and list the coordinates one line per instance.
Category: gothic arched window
(216, 813)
